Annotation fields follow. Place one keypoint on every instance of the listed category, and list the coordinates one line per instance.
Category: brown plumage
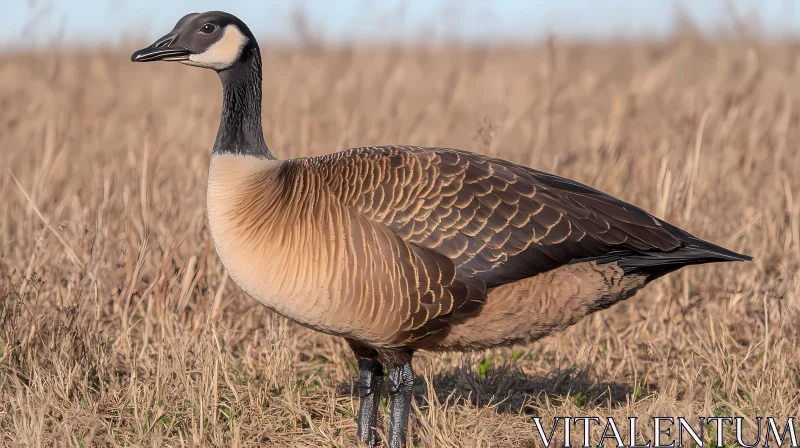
(402, 248)
(399, 247)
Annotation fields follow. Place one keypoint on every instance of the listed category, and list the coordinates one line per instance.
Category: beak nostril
(165, 42)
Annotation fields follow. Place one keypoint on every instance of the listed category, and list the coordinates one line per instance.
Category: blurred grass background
(120, 327)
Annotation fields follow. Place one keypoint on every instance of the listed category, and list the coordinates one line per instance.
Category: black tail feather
(695, 251)
(654, 264)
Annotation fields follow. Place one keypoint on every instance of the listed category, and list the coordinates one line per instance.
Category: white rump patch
(222, 53)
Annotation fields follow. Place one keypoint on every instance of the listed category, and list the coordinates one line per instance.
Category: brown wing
(498, 222)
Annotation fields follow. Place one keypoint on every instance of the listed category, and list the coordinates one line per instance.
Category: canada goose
(405, 248)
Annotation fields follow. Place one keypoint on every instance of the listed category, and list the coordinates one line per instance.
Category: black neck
(240, 130)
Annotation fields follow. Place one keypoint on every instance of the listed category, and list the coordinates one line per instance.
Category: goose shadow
(511, 390)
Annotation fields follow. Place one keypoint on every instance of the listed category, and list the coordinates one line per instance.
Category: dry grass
(119, 326)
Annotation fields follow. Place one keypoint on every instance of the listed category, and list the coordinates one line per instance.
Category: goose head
(215, 40)
(220, 41)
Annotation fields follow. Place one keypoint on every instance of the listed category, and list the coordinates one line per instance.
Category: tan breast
(288, 243)
(268, 242)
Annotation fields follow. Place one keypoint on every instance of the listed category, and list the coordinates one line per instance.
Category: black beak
(162, 50)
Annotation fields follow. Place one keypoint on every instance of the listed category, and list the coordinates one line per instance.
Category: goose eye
(207, 29)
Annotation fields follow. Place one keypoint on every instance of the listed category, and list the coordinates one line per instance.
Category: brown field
(120, 327)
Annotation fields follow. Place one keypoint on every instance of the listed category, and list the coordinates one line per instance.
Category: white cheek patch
(223, 53)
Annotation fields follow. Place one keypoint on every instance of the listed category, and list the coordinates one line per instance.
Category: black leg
(370, 380)
(401, 387)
